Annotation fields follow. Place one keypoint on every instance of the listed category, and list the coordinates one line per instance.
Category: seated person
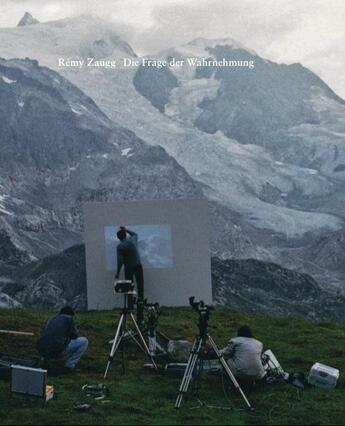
(243, 355)
(60, 338)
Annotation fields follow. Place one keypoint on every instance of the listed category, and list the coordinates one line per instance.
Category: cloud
(308, 31)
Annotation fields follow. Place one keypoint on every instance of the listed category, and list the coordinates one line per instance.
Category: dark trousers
(138, 273)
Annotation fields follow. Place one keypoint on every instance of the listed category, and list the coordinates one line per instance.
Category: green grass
(141, 397)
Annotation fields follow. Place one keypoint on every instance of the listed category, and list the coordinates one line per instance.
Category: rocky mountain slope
(58, 150)
(255, 286)
(80, 42)
(52, 282)
(246, 285)
(323, 257)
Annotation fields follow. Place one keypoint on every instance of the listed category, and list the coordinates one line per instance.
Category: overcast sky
(308, 31)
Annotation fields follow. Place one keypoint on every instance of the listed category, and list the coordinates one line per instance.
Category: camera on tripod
(153, 312)
(153, 309)
(123, 286)
(123, 333)
(197, 354)
(204, 314)
(200, 306)
(127, 288)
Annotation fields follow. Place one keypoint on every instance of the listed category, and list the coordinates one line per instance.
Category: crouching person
(243, 355)
(60, 339)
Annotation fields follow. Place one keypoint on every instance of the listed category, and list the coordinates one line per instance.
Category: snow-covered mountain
(284, 108)
(27, 19)
(244, 178)
(85, 36)
(265, 145)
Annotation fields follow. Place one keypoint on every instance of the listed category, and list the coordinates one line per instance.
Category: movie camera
(123, 286)
(127, 288)
(204, 314)
(123, 332)
(196, 357)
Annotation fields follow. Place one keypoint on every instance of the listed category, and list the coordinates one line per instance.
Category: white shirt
(243, 354)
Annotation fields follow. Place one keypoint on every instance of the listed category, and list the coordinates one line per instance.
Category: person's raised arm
(132, 234)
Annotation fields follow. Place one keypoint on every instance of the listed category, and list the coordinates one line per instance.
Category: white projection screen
(173, 243)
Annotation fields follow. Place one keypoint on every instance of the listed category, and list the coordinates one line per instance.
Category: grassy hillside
(141, 397)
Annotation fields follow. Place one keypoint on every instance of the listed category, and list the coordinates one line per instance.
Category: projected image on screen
(154, 245)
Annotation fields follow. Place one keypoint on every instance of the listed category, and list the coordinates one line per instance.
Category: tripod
(195, 355)
(122, 334)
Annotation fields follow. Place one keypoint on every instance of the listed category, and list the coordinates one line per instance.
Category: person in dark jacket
(60, 339)
(128, 256)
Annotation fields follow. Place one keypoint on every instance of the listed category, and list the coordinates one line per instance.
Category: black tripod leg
(141, 337)
(228, 371)
(115, 345)
(188, 373)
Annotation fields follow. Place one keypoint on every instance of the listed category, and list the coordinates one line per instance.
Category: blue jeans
(75, 350)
